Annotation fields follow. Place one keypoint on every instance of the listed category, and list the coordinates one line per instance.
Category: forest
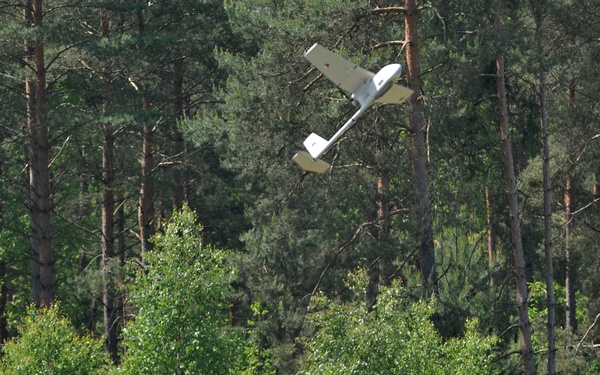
(152, 220)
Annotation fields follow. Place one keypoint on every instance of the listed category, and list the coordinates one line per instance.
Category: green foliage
(258, 358)
(48, 344)
(538, 308)
(273, 99)
(247, 108)
(467, 287)
(569, 360)
(397, 337)
(181, 325)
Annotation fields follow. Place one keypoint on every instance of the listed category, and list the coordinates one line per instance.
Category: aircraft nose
(398, 72)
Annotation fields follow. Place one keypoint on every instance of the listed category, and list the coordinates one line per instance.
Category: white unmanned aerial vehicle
(366, 88)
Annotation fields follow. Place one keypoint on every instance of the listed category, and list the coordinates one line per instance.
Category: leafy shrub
(397, 337)
(48, 344)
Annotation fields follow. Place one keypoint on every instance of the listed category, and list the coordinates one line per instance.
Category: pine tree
(513, 208)
(423, 210)
(42, 251)
(543, 94)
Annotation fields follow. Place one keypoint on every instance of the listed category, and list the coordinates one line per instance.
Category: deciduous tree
(181, 300)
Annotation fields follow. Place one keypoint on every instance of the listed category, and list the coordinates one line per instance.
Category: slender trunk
(550, 302)
(568, 197)
(121, 299)
(571, 317)
(146, 203)
(3, 304)
(515, 226)
(178, 146)
(43, 286)
(85, 207)
(121, 228)
(30, 108)
(383, 207)
(108, 221)
(108, 240)
(596, 187)
(423, 213)
(383, 226)
(380, 264)
(3, 293)
(491, 237)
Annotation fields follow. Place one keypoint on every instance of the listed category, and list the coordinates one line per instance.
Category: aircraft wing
(395, 95)
(344, 74)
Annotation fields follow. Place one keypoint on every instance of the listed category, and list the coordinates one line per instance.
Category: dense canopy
(149, 203)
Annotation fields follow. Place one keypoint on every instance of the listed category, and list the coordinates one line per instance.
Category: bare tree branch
(587, 333)
(391, 43)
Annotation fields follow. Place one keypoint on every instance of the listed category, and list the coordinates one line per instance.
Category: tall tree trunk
(571, 316)
(146, 204)
(108, 221)
(515, 226)
(108, 241)
(178, 145)
(423, 213)
(42, 255)
(121, 228)
(550, 302)
(568, 198)
(121, 307)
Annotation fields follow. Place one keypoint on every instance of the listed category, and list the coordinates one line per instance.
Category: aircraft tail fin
(306, 162)
(315, 145)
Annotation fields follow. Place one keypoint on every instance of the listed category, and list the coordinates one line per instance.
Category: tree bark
(423, 213)
(121, 298)
(108, 241)
(146, 205)
(571, 316)
(513, 208)
(596, 187)
(108, 222)
(550, 302)
(178, 143)
(3, 304)
(491, 237)
(146, 202)
(568, 198)
(3, 293)
(42, 254)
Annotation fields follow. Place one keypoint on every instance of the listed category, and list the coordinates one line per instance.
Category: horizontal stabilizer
(306, 162)
(395, 95)
(315, 145)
